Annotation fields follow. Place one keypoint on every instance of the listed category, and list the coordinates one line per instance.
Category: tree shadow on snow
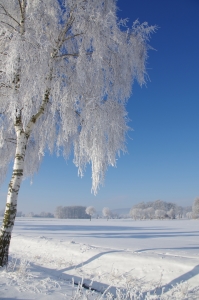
(110, 231)
(136, 235)
(101, 287)
(182, 278)
(176, 248)
(84, 227)
(87, 283)
(89, 260)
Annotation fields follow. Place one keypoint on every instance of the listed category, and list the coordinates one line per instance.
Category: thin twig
(7, 140)
(9, 25)
(3, 85)
(9, 15)
(65, 30)
(71, 54)
(77, 113)
(20, 6)
(70, 37)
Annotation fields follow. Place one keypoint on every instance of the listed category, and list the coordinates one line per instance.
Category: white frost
(81, 54)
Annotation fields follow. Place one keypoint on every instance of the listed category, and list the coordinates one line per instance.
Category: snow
(46, 255)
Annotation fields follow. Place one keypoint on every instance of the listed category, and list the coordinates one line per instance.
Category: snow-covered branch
(93, 87)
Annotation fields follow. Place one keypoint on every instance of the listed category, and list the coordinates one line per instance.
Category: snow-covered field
(122, 256)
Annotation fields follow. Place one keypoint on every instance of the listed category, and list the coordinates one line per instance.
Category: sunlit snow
(46, 255)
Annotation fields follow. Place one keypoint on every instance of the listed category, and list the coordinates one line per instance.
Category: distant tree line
(159, 210)
(71, 212)
(43, 214)
(150, 210)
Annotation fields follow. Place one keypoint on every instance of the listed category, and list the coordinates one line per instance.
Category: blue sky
(163, 150)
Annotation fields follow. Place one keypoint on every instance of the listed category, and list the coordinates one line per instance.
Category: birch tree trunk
(17, 175)
(13, 190)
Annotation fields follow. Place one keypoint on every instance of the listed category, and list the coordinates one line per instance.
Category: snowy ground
(47, 255)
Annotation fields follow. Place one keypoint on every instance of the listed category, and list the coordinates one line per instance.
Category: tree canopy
(66, 70)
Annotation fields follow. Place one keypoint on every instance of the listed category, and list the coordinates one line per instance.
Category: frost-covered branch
(7, 14)
(72, 54)
(61, 96)
(8, 25)
(72, 36)
(64, 104)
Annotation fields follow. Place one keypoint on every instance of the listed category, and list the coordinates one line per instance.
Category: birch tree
(66, 71)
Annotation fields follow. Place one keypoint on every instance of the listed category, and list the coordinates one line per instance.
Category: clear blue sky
(163, 158)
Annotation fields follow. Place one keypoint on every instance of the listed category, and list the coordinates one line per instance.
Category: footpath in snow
(48, 257)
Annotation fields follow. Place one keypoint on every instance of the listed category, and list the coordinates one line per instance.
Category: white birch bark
(13, 190)
(17, 176)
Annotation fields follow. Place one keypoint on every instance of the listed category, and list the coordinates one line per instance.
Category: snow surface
(46, 255)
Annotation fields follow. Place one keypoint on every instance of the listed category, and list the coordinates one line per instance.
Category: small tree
(106, 212)
(136, 213)
(195, 208)
(189, 215)
(160, 213)
(150, 212)
(66, 72)
(171, 213)
(90, 210)
(178, 211)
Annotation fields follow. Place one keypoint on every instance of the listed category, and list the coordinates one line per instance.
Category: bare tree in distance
(106, 212)
(66, 73)
(90, 210)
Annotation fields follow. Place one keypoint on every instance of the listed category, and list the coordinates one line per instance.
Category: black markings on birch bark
(5, 233)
